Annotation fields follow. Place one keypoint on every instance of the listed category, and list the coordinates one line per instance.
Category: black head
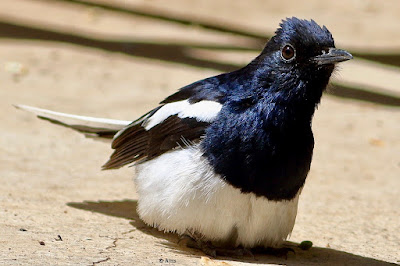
(304, 43)
(300, 54)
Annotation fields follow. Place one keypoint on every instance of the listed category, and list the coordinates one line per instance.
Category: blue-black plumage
(261, 141)
(224, 159)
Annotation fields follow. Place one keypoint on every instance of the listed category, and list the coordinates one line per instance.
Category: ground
(118, 59)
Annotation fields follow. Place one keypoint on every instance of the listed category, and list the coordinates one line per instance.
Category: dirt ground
(118, 59)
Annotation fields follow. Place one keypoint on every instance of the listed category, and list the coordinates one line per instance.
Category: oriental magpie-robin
(224, 159)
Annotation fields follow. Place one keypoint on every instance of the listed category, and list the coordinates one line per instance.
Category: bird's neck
(289, 116)
(289, 88)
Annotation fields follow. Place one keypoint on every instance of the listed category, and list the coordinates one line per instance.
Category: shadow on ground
(159, 14)
(176, 53)
(362, 94)
(180, 52)
(126, 209)
(387, 59)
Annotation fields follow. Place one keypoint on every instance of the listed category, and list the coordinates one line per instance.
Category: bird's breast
(269, 160)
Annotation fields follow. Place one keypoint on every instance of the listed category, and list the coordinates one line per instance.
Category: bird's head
(301, 54)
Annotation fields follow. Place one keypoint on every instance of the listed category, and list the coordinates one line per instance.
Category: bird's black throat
(262, 142)
(269, 160)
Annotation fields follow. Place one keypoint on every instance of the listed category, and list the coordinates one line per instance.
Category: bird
(222, 161)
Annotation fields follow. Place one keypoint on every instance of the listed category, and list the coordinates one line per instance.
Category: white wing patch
(204, 111)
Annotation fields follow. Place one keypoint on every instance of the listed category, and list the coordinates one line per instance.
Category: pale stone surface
(51, 183)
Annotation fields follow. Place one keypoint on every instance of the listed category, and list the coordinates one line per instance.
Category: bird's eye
(288, 53)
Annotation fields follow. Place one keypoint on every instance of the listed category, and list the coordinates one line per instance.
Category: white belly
(178, 191)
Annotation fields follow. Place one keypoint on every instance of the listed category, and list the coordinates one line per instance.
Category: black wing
(181, 119)
(165, 128)
(136, 144)
(210, 89)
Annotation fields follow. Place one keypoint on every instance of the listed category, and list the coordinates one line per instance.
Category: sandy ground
(58, 208)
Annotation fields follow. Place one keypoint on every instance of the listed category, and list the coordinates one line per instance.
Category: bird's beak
(333, 56)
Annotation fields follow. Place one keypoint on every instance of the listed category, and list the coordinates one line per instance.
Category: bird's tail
(98, 128)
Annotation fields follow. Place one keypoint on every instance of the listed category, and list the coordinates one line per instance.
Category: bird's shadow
(126, 209)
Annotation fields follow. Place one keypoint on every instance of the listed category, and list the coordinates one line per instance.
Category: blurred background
(119, 58)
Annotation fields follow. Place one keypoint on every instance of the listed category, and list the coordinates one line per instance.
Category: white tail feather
(90, 126)
(70, 119)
